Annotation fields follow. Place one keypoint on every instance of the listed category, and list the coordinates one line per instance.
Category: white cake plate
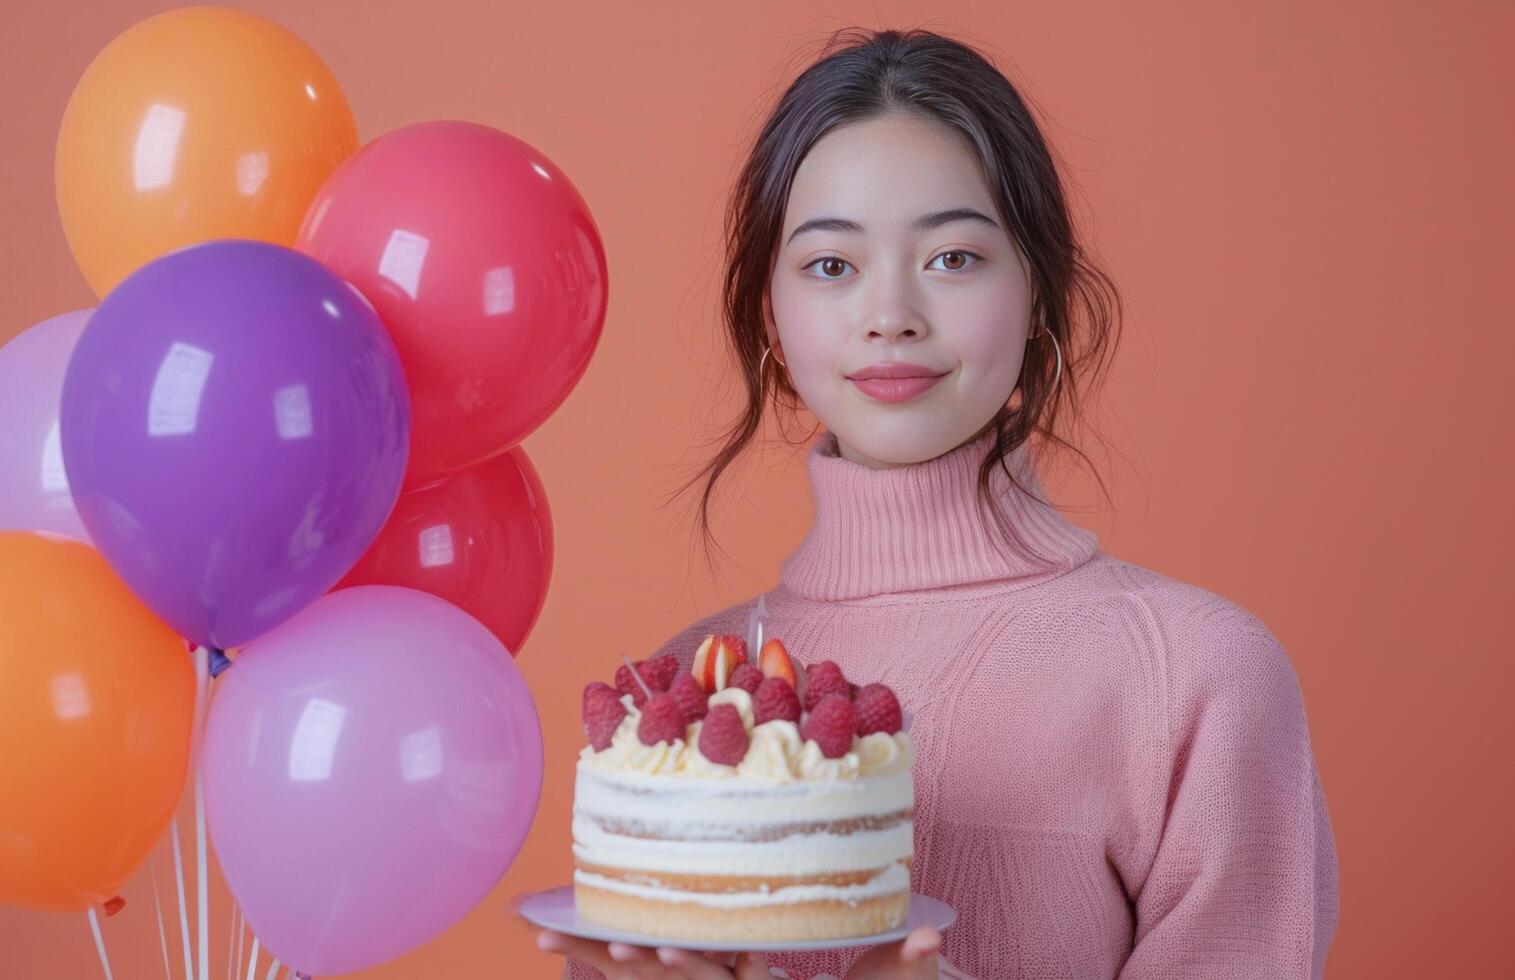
(554, 909)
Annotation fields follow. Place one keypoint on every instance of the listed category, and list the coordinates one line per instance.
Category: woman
(1114, 775)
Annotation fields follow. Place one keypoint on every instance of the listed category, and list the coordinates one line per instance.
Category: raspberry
(603, 713)
(877, 710)
(660, 671)
(746, 677)
(775, 699)
(690, 697)
(830, 726)
(662, 721)
(627, 684)
(823, 679)
(723, 738)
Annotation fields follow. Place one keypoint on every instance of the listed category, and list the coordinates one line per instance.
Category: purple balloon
(34, 493)
(235, 427)
(371, 770)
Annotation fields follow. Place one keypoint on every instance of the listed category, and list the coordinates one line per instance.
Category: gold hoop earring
(762, 360)
(1057, 374)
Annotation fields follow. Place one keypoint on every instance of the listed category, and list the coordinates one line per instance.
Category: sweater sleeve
(1243, 881)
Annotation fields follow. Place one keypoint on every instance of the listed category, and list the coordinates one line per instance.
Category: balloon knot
(114, 904)
(219, 661)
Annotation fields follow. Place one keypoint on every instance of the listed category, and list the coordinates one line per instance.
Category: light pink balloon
(371, 769)
(34, 494)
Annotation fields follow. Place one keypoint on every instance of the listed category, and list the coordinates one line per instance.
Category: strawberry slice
(732, 654)
(703, 660)
(774, 661)
(715, 661)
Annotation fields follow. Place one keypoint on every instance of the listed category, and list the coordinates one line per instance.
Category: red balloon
(481, 539)
(487, 267)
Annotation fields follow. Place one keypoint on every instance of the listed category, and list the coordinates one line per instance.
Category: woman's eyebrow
(925, 222)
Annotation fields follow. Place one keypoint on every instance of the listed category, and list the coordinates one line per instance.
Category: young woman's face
(880, 281)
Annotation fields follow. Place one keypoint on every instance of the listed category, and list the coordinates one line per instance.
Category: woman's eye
(831, 266)
(960, 260)
(956, 260)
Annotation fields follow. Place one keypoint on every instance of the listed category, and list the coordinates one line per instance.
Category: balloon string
(189, 968)
(152, 869)
(252, 964)
(202, 684)
(231, 940)
(241, 939)
(273, 971)
(94, 927)
(203, 923)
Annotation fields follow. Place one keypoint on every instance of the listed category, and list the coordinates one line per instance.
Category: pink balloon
(34, 494)
(371, 769)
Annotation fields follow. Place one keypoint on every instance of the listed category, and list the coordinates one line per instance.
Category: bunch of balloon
(97, 696)
(290, 434)
(407, 755)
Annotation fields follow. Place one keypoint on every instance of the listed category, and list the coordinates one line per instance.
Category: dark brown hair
(864, 74)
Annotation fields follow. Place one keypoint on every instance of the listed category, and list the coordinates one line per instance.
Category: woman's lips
(895, 389)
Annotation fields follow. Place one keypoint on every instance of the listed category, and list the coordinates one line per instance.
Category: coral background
(1307, 207)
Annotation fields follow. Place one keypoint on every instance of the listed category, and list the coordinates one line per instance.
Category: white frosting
(737, 698)
(796, 854)
(773, 752)
(674, 806)
(893, 879)
(626, 752)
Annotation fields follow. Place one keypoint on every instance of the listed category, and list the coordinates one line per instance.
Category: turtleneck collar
(919, 526)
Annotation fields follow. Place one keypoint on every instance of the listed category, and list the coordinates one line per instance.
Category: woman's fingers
(752, 966)
(627, 953)
(591, 952)
(921, 944)
(911, 958)
(624, 959)
(698, 966)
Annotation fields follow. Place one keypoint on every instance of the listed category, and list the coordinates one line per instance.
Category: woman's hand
(622, 961)
(912, 958)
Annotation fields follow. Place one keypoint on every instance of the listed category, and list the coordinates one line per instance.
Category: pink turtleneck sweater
(1113, 774)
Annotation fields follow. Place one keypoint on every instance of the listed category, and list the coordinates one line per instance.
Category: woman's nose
(892, 312)
(896, 326)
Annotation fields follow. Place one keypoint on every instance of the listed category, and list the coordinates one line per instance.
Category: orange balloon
(196, 124)
(97, 700)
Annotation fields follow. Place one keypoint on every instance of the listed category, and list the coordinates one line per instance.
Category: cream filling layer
(797, 854)
(892, 880)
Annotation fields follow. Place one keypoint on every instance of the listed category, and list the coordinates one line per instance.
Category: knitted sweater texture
(1113, 775)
